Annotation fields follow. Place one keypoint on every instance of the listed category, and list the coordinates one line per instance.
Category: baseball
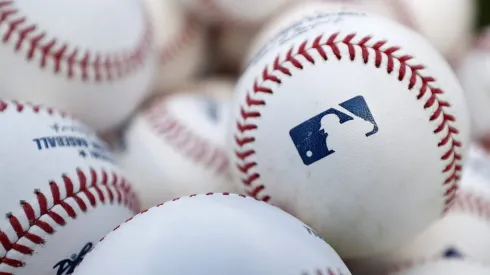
(92, 69)
(448, 25)
(448, 267)
(176, 147)
(180, 43)
(289, 16)
(329, 118)
(238, 12)
(462, 232)
(60, 191)
(213, 234)
(473, 74)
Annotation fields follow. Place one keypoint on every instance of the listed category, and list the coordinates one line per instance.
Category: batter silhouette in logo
(311, 137)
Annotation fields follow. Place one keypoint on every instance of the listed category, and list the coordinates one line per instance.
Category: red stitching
(324, 271)
(116, 187)
(68, 59)
(473, 203)
(185, 140)
(176, 199)
(188, 34)
(245, 128)
(21, 106)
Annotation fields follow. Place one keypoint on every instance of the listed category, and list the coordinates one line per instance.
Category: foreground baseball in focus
(355, 125)
(218, 234)
(176, 146)
(447, 267)
(464, 231)
(180, 44)
(60, 191)
(91, 58)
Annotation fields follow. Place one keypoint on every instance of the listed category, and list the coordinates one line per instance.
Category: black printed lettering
(45, 143)
(60, 141)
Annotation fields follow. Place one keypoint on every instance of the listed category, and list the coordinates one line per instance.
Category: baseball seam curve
(59, 57)
(188, 143)
(324, 271)
(251, 109)
(184, 38)
(105, 187)
(102, 188)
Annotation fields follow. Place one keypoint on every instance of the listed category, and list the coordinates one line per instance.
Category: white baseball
(250, 12)
(448, 267)
(218, 234)
(354, 124)
(60, 191)
(463, 232)
(176, 147)
(180, 43)
(93, 59)
(448, 25)
(474, 76)
(290, 15)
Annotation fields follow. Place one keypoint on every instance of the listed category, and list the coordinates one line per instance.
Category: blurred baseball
(474, 76)
(213, 234)
(60, 191)
(79, 60)
(180, 43)
(324, 125)
(239, 12)
(176, 147)
(463, 232)
(448, 25)
(447, 267)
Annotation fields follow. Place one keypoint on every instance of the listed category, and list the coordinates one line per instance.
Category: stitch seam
(98, 188)
(428, 92)
(324, 271)
(67, 60)
(185, 140)
(471, 203)
(188, 34)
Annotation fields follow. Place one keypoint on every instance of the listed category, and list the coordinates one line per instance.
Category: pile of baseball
(244, 137)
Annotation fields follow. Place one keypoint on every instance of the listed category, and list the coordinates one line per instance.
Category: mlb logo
(311, 137)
